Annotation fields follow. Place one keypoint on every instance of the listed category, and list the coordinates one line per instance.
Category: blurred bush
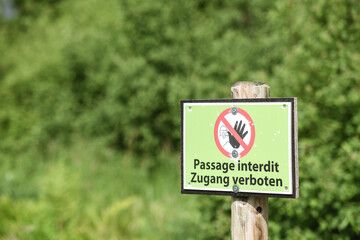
(116, 70)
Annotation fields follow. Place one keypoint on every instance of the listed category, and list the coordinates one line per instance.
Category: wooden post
(249, 215)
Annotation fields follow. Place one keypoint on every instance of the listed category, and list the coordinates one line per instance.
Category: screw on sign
(234, 133)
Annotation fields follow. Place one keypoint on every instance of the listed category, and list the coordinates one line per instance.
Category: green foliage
(119, 76)
(321, 70)
(97, 194)
(114, 72)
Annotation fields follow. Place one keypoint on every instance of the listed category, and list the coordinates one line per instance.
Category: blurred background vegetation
(90, 113)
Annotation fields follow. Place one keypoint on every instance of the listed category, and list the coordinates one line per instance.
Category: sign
(234, 132)
(239, 147)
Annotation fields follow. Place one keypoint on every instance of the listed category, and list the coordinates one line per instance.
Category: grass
(88, 191)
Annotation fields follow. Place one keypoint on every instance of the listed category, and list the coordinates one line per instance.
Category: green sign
(239, 147)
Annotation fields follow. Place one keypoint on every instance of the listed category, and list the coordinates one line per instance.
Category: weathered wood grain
(249, 215)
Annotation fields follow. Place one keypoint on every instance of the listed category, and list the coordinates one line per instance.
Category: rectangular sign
(239, 147)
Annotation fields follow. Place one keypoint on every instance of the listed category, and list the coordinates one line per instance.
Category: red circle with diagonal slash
(221, 118)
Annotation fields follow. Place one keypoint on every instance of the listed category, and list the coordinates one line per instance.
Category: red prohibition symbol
(234, 133)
